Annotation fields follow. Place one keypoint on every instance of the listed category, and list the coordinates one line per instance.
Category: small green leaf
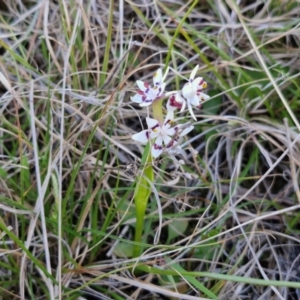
(176, 228)
(123, 250)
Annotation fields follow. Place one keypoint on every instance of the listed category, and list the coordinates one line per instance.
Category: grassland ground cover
(223, 225)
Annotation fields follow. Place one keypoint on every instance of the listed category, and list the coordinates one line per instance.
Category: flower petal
(152, 123)
(175, 101)
(141, 137)
(194, 100)
(167, 140)
(203, 97)
(171, 131)
(172, 113)
(157, 147)
(169, 118)
(191, 111)
(183, 107)
(157, 78)
(137, 98)
(171, 144)
(196, 82)
(194, 73)
(161, 89)
(156, 152)
(179, 98)
(143, 86)
(154, 134)
(188, 91)
(170, 105)
(186, 130)
(158, 141)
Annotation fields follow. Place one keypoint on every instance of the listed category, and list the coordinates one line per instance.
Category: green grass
(69, 168)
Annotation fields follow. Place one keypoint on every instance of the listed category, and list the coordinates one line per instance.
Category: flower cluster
(164, 135)
(160, 133)
(147, 94)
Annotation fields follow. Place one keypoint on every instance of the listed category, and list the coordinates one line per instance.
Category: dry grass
(68, 164)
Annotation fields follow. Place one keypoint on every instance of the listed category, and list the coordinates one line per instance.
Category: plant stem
(142, 194)
(158, 111)
(143, 188)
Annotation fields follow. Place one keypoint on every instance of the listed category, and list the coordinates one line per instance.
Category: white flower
(191, 94)
(192, 91)
(164, 135)
(147, 94)
(176, 101)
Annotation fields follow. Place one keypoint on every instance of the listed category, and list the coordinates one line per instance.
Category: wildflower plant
(162, 136)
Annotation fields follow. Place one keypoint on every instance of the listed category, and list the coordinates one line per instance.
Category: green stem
(141, 197)
(158, 111)
(143, 188)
